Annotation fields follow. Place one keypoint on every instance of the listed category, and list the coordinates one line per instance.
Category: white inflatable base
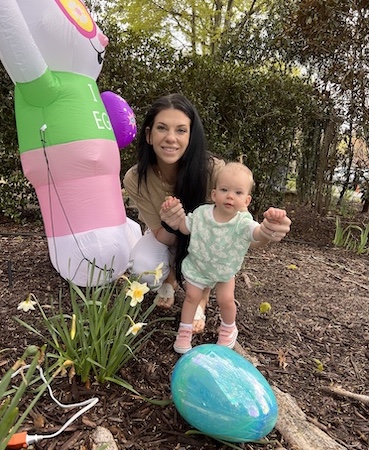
(94, 257)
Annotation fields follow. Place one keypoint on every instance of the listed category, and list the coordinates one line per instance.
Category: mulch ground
(316, 336)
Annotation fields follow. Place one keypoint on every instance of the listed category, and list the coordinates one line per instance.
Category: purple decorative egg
(121, 117)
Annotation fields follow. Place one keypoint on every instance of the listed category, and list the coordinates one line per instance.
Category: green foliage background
(244, 112)
(257, 101)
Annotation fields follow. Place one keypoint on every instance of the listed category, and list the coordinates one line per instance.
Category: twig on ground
(315, 421)
(343, 393)
(355, 368)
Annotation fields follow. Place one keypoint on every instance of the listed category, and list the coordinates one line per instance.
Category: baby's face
(232, 192)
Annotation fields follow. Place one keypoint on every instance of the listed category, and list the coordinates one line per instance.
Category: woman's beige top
(152, 194)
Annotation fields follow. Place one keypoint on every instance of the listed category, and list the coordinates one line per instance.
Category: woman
(172, 160)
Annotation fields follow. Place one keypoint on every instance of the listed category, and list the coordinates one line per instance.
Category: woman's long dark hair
(193, 167)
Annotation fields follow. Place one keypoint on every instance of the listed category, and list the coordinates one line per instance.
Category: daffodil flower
(137, 291)
(158, 273)
(28, 304)
(135, 328)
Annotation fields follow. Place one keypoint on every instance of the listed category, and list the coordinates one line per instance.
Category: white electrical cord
(87, 404)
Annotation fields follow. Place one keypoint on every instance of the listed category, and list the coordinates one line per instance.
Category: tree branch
(295, 427)
(343, 393)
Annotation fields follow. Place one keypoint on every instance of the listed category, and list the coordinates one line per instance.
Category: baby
(221, 234)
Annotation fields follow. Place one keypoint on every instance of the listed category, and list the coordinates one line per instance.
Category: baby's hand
(172, 212)
(167, 203)
(275, 225)
(275, 215)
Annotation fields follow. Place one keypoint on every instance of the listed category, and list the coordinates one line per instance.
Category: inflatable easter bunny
(53, 51)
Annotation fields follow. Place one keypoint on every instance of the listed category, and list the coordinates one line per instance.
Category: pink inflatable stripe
(77, 185)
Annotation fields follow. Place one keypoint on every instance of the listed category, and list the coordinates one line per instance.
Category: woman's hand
(172, 212)
(275, 225)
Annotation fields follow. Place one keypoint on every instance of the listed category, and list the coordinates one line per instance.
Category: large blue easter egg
(223, 395)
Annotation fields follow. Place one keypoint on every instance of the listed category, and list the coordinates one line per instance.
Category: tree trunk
(365, 206)
(297, 430)
(322, 167)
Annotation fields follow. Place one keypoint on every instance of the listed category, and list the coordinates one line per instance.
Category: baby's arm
(172, 213)
(274, 227)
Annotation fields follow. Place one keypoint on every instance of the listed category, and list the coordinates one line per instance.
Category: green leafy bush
(352, 237)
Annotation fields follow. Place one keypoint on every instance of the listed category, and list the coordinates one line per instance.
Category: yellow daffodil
(158, 273)
(73, 327)
(135, 328)
(137, 291)
(28, 304)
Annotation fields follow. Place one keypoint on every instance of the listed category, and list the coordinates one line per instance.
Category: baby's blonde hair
(237, 167)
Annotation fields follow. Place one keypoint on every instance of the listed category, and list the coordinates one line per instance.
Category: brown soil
(320, 309)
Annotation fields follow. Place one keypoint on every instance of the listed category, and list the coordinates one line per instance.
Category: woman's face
(170, 135)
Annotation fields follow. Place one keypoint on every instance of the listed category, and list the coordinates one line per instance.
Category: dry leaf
(88, 384)
(88, 423)
(39, 421)
(247, 280)
(319, 365)
(282, 359)
(72, 373)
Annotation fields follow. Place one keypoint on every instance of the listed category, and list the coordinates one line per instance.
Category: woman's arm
(165, 237)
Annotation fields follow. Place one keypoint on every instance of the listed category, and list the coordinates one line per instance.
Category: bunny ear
(122, 118)
(18, 51)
